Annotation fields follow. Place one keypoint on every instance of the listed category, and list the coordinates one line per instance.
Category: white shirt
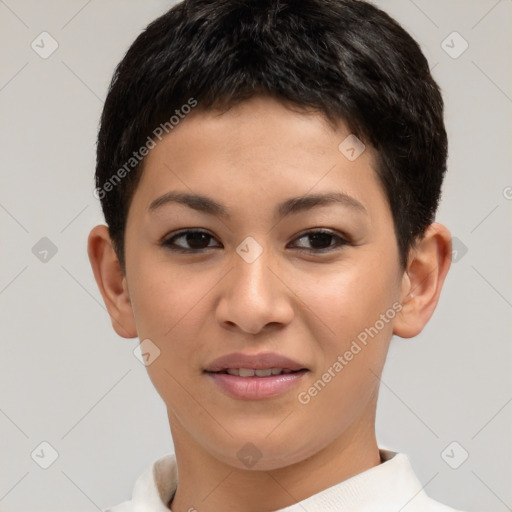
(391, 486)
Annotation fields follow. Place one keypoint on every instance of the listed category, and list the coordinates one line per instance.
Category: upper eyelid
(180, 233)
(335, 234)
(344, 238)
(299, 235)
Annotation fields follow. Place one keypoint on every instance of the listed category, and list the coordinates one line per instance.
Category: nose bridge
(254, 296)
(252, 275)
(253, 282)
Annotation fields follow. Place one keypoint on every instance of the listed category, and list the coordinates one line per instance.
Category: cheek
(167, 305)
(347, 301)
(352, 352)
(163, 297)
(172, 304)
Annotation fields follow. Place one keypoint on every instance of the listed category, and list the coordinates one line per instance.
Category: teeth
(264, 373)
(249, 372)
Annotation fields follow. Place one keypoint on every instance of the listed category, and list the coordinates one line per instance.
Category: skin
(306, 305)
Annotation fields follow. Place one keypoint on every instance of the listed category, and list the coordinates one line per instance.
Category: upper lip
(255, 361)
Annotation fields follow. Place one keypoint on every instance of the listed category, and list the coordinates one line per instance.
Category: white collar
(392, 485)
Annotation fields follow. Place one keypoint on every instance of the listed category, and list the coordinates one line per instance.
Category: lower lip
(256, 388)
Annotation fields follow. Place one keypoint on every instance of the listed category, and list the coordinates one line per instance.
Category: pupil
(322, 237)
(195, 239)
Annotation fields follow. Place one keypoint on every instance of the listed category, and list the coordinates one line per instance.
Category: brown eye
(189, 241)
(321, 241)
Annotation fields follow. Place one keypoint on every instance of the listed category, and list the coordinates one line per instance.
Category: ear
(111, 281)
(428, 265)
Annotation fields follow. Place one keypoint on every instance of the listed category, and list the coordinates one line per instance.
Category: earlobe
(428, 265)
(111, 281)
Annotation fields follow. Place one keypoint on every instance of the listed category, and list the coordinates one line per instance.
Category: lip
(255, 361)
(255, 388)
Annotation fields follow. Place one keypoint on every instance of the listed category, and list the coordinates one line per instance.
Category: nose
(254, 297)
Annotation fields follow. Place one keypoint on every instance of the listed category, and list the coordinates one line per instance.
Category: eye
(190, 241)
(321, 241)
(196, 240)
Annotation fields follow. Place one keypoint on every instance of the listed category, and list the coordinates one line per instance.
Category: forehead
(260, 150)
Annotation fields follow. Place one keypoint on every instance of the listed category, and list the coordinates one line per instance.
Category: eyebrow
(290, 206)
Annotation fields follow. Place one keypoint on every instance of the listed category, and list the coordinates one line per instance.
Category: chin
(260, 453)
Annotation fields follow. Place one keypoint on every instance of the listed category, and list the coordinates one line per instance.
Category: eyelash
(168, 242)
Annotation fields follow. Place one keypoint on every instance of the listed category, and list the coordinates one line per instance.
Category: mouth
(255, 377)
(249, 365)
(252, 372)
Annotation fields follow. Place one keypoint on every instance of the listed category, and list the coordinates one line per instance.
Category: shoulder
(424, 503)
(126, 506)
(408, 489)
(153, 488)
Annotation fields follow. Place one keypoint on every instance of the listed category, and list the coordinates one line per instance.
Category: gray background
(66, 378)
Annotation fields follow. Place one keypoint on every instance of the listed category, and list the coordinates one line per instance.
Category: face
(253, 242)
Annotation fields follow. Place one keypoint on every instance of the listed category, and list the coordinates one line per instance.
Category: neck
(205, 483)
